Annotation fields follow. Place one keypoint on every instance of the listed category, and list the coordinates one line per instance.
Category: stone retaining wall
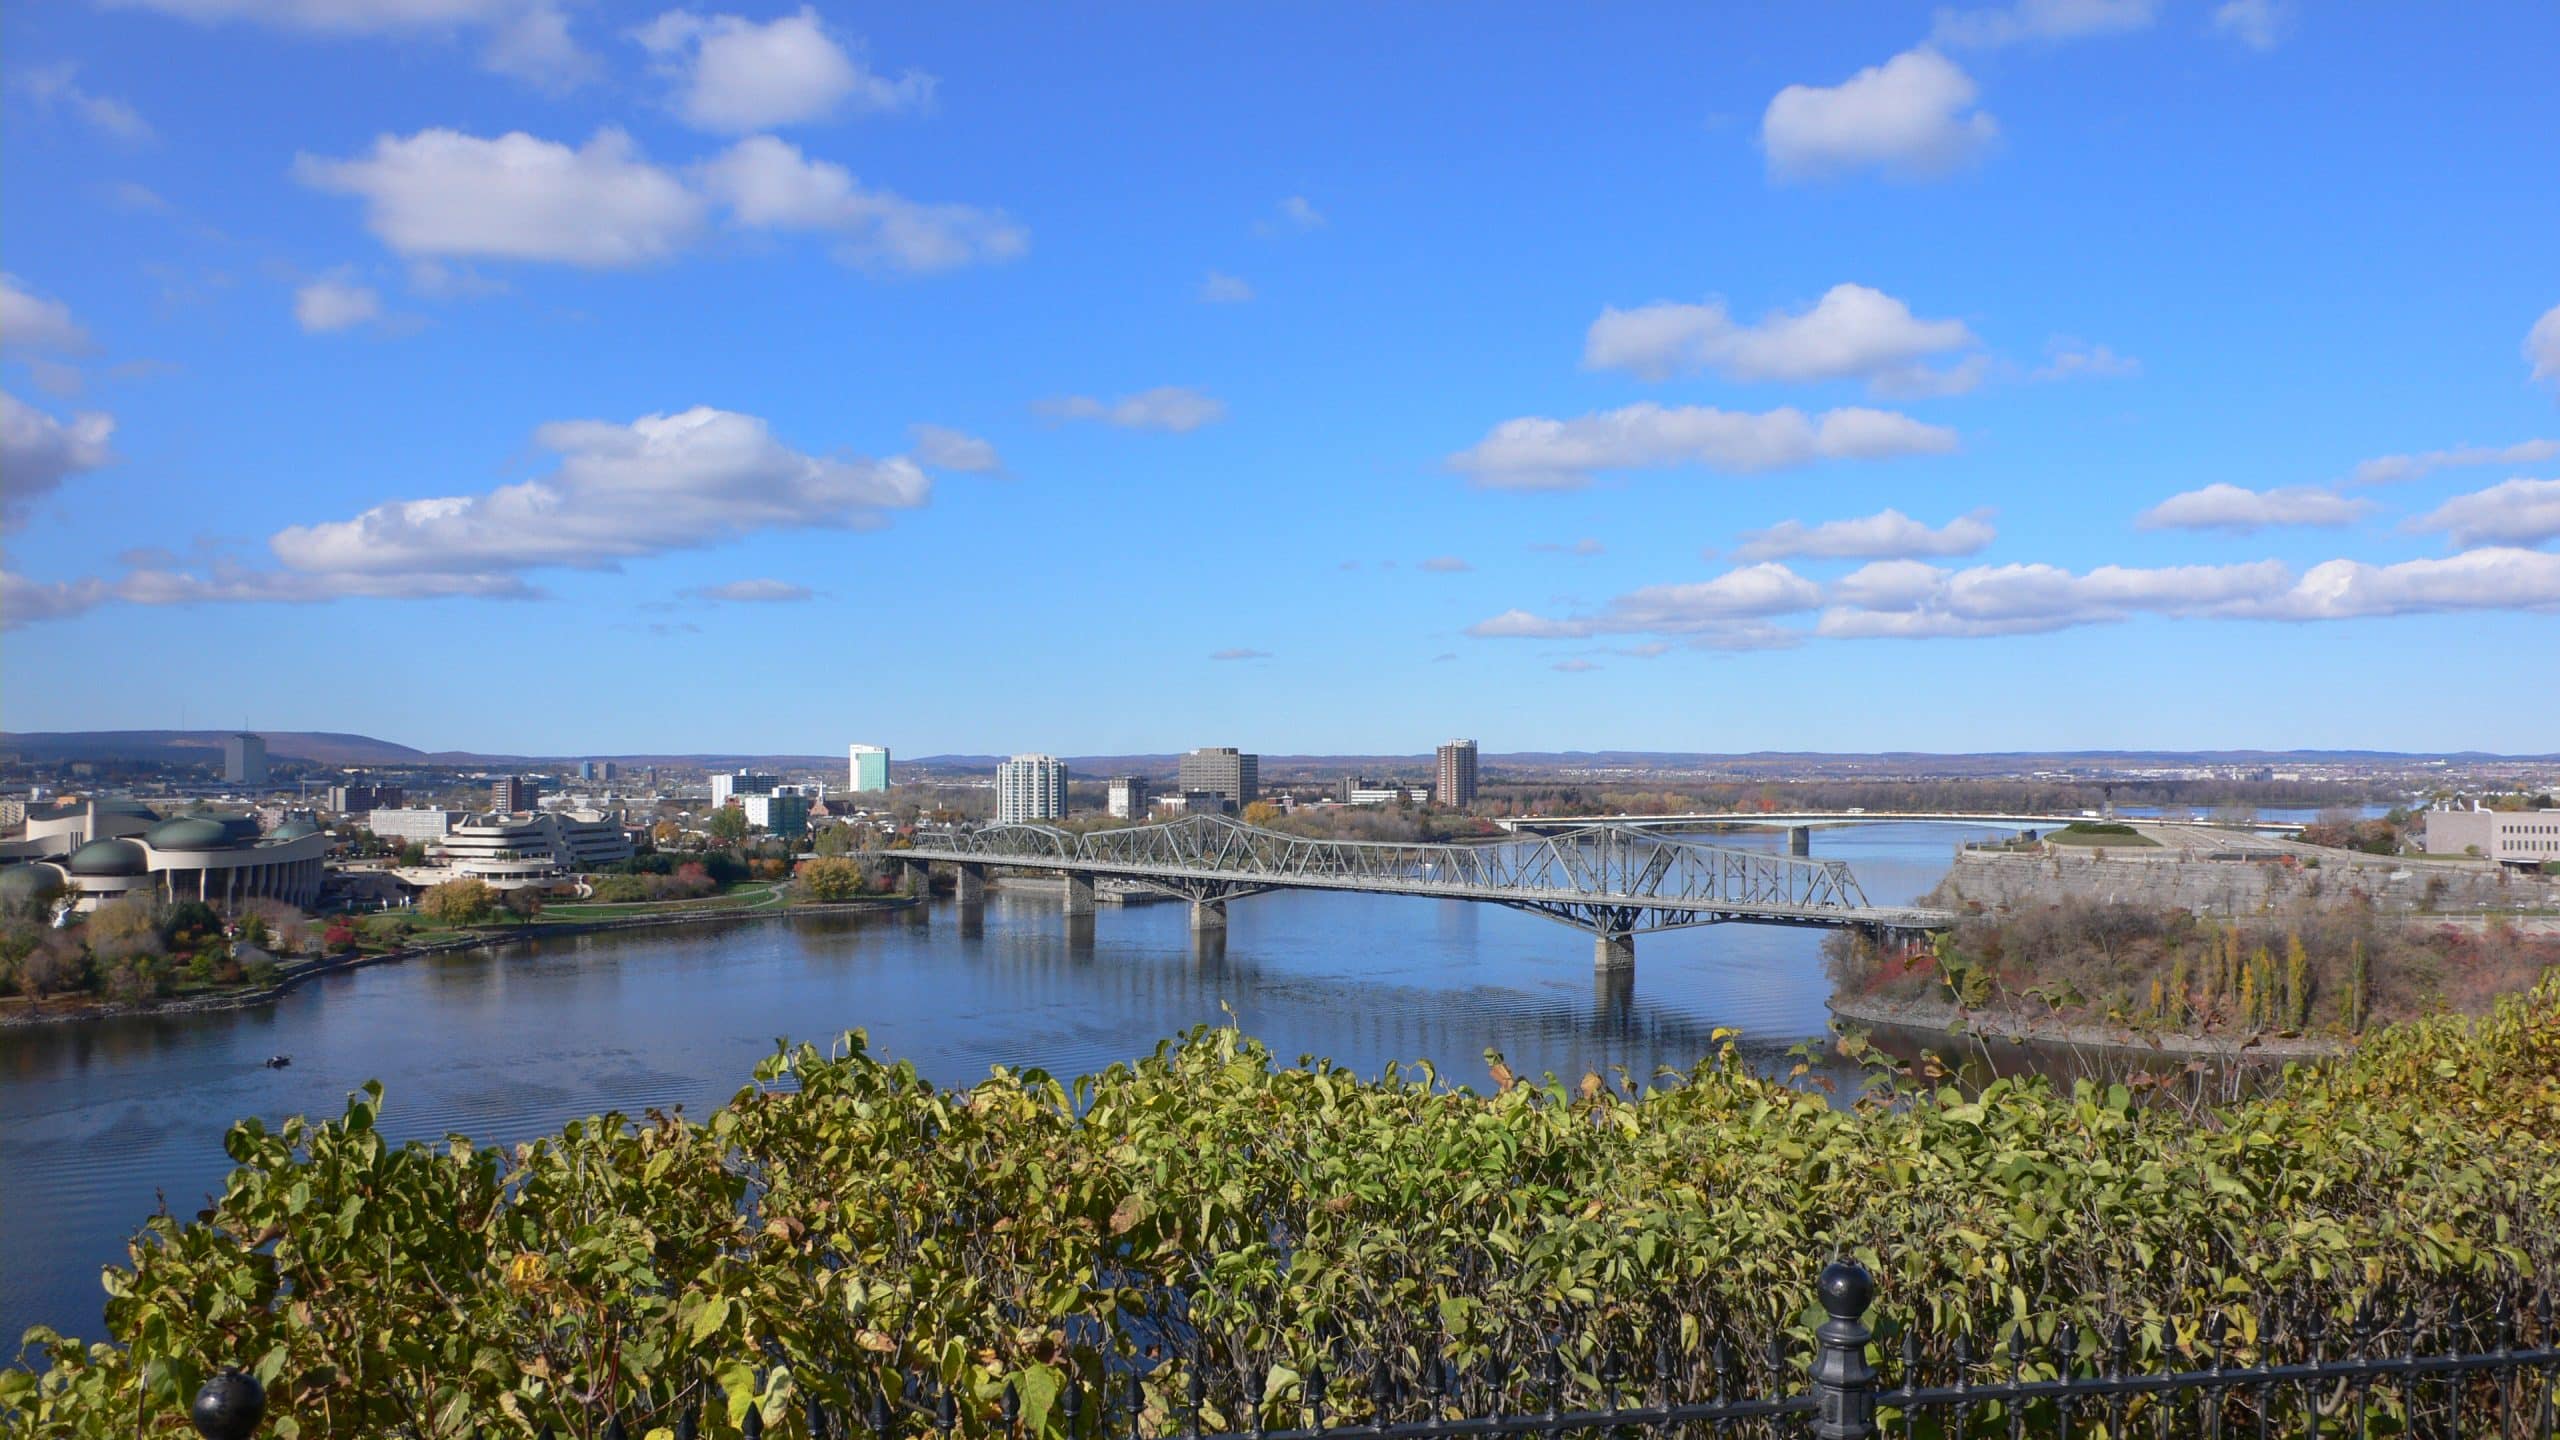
(2006, 880)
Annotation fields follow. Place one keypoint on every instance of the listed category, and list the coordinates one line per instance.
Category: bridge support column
(969, 885)
(918, 879)
(1208, 914)
(1614, 952)
(1079, 894)
(1799, 839)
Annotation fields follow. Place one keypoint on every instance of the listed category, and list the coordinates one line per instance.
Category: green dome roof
(103, 858)
(293, 830)
(22, 883)
(188, 832)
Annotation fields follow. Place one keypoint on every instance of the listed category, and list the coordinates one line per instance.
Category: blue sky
(587, 378)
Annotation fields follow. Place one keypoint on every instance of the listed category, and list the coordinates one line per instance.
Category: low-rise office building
(423, 826)
(783, 811)
(511, 850)
(2511, 837)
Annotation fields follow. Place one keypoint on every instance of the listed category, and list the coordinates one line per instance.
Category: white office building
(740, 783)
(867, 767)
(1030, 787)
(1129, 797)
(519, 849)
(419, 825)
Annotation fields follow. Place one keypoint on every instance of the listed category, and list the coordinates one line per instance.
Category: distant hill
(197, 747)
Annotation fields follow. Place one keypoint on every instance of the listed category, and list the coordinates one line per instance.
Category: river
(99, 1119)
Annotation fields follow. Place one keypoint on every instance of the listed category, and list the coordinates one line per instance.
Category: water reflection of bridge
(1613, 881)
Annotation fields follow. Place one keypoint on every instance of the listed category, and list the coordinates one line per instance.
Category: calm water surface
(100, 1122)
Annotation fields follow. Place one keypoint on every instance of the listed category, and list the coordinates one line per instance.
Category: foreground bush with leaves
(1209, 1213)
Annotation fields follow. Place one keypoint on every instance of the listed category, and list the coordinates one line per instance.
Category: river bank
(1930, 1018)
(24, 1015)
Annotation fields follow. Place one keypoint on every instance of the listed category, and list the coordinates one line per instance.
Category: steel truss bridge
(1614, 881)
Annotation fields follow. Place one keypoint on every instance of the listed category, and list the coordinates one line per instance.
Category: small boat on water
(278, 1062)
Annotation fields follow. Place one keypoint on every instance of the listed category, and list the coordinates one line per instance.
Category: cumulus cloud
(1885, 534)
(333, 303)
(1223, 289)
(57, 90)
(444, 193)
(1446, 565)
(1573, 667)
(769, 184)
(2068, 359)
(2046, 20)
(752, 592)
(1911, 118)
(2238, 511)
(938, 447)
(1176, 408)
(2390, 469)
(29, 321)
(1538, 453)
(2542, 347)
(1239, 653)
(660, 483)
(1300, 214)
(2518, 512)
(733, 75)
(1706, 607)
(39, 452)
(1852, 332)
(526, 39)
(2258, 24)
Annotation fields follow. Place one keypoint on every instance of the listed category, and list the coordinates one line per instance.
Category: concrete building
(244, 760)
(510, 850)
(351, 799)
(514, 794)
(1454, 781)
(782, 811)
(1228, 771)
(867, 768)
(1196, 802)
(1365, 791)
(221, 860)
(424, 826)
(1129, 794)
(2510, 837)
(1030, 788)
(741, 782)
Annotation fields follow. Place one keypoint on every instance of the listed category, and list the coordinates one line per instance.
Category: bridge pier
(1614, 951)
(969, 884)
(1799, 840)
(1079, 894)
(1208, 915)
(918, 877)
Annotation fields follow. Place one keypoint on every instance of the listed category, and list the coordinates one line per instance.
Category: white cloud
(1912, 117)
(1885, 534)
(1239, 653)
(769, 184)
(2239, 511)
(938, 447)
(2542, 347)
(2067, 359)
(1706, 607)
(1573, 667)
(527, 39)
(2518, 512)
(38, 453)
(660, 483)
(444, 193)
(332, 303)
(1167, 407)
(28, 321)
(1301, 214)
(57, 89)
(1538, 453)
(734, 75)
(25, 602)
(2389, 469)
(1852, 332)
(1586, 546)
(1222, 289)
(2042, 20)
(752, 592)
(2258, 24)
(1446, 565)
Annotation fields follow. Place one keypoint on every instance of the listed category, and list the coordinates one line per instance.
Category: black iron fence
(2457, 1369)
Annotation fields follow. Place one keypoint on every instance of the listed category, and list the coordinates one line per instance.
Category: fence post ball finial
(230, 1406)
(1845, 1289)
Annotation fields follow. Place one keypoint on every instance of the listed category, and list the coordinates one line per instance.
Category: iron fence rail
(2453, 1370)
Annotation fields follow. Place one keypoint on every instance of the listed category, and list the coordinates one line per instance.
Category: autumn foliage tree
(458, 902)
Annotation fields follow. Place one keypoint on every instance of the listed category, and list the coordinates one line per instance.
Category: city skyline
(2002, 380)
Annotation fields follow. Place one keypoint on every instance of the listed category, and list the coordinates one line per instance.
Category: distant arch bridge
(1612, 880)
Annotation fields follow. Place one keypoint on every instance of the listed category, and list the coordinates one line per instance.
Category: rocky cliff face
(2007, 880)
